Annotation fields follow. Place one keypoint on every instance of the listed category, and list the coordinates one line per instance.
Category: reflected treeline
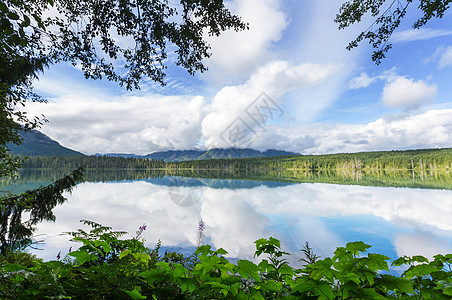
(30, 179)
(433, 179)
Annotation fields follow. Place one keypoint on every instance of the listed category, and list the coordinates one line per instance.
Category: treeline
(426, 159)
(418, 160)
(92, 162)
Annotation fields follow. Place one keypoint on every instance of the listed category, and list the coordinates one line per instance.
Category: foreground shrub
(106, 267)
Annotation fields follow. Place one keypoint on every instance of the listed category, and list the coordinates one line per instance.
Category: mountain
(36, 143)
(175, 155)
(182, 155)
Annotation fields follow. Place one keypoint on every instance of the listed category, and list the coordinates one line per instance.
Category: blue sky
(324, 98)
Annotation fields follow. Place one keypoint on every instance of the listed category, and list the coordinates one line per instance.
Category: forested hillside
(425, 159)
(35, 143)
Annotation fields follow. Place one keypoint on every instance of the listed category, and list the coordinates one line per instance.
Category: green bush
(106, 267)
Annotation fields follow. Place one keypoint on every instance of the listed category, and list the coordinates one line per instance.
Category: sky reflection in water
(395, 221)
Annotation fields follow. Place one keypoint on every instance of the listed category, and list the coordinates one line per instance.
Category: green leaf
(322, 268)
(3, 7)
(124, 253)
(26, 21)
(271, 286)
(421, 270)
(221, 251)
(134, 294)
(12, 268)
(153, 275)
(12, 15)
(248, 269)
(324, 291)
(446, 286)
(394, 283)
(257, 296)
(356, 247)
(377, 262)
(82, 256)
(105, 246)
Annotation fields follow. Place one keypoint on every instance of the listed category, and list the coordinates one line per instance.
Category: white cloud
(431, 129)
(234, 219)
(446, 58)
(236, 54)
(362, 81)
(126, 125)
(420, 243)
(275, 79)
(410, 35)
(407, 93)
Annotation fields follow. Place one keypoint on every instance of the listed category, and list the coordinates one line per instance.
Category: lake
(395, 221)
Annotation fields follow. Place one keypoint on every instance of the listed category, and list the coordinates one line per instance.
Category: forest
(428, 168)
(424, 159)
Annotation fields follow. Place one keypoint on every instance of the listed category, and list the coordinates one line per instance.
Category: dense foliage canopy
(123, 41)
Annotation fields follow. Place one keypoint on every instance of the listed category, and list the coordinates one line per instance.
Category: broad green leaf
(124, 253)
(421, 270)
(446, 286)
(12, 15)
(26, 21)
(257, 296)
(248, 269)
(134, 294)
(271, 286)
(153, 275)
(377, 262)
(393, 283)
(285, 269)
(324, 291)
(3, 7)
(356, 247)
(12, 268)
(221, 251)
(105, 246)
(82, 256)
(322, 268)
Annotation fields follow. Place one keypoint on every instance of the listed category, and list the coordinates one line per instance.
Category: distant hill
(175, 155)
(36, 143)
(184, 155)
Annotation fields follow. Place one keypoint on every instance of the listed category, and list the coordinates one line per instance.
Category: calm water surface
(395, 221)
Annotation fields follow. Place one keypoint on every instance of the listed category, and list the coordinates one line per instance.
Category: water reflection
(396, 221)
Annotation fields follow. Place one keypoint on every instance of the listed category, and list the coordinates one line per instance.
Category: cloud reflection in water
(410, 221)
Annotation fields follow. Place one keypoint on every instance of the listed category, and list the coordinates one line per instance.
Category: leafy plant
(107, 267)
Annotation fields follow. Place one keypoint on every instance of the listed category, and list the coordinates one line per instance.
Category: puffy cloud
(128, 125)
(144, 124)
(430, 129)
(242, 101)
(234, 219)
(237, 53)
(420, 243)
(410, 35)
(408, 93)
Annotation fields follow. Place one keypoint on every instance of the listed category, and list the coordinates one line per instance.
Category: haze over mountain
(175, 155)
(181, 155)
(36, 143)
